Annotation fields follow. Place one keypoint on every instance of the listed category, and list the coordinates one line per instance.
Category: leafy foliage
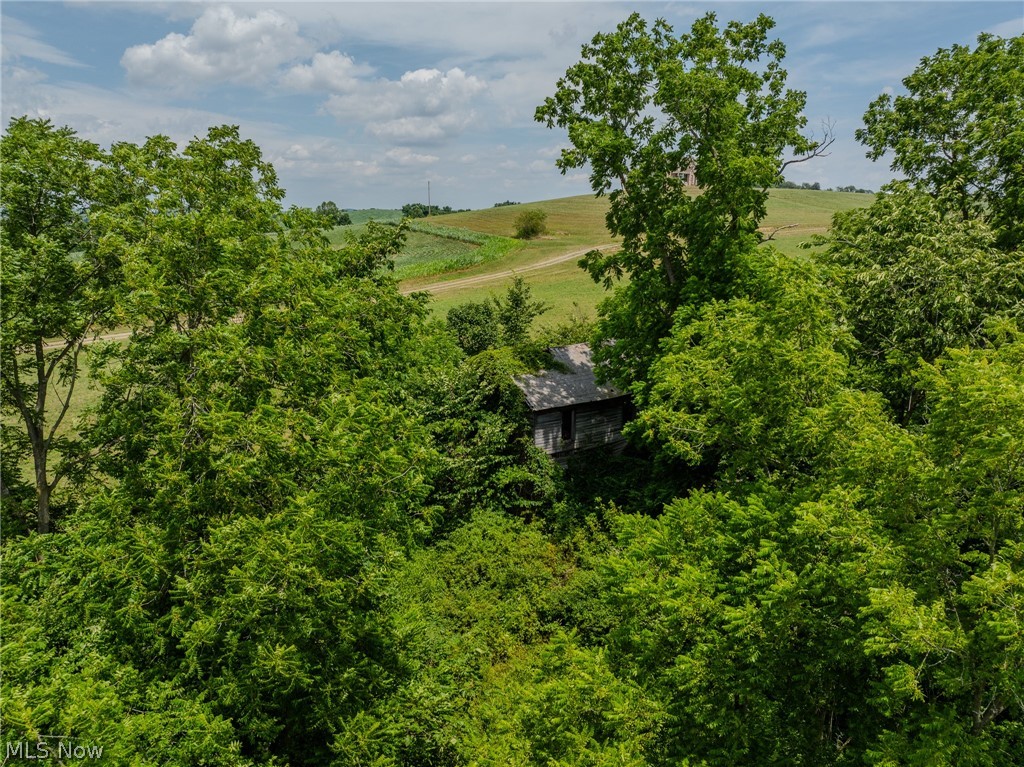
(737, 378)
(309, 528)
(917, 281)
(333, 214)
(482, 325)
(957, 131)
(419, 210)
(529, 224)
(643, 103)
(59, 283)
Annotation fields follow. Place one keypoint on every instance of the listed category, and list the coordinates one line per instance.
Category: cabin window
(568, 424)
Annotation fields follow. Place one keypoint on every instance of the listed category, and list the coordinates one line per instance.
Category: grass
(430, 249)
(427, 254)
(87, 395)
(564, 287)
(360, 217)
(576, 223)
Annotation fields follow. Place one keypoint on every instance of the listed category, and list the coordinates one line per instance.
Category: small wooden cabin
(569, 411)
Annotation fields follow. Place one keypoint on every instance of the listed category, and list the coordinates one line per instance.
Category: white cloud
(406, 157)
(220, 47)
(1009, 28)
(421, 130)
(18, 80)
(425, 106)
(333, 72)
(821, 35)
(21, 42)
(297, 152)
(552, 152)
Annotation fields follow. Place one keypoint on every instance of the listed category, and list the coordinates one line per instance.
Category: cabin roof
(552, 389)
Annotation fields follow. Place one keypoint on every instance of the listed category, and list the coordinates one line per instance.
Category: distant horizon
(364, 104)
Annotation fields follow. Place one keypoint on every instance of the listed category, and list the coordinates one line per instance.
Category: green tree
(261, 421)
(419, 210)
(477, 416)
(498, 321)
(869, 613)
(517, 311)
(917, 280)
(643, 103)
(957, 131)
(267, 478)
(59, 281)
(940, 562)
(565, 706)
(529, 224)
(475, 326)
(738, 379)
(333, 214)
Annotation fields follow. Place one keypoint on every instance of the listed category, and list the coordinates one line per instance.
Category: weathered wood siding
(598, 424)
(595, 424)
(547, 431)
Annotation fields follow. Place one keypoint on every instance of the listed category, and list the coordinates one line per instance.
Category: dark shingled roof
(551, 389)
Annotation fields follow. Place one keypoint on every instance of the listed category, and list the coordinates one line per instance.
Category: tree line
(305, 523)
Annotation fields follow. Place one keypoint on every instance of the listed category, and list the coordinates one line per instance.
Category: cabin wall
(547, 431)
(598, 424)
(594, 424)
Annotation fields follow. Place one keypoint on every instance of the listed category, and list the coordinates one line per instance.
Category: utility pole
(428, 199)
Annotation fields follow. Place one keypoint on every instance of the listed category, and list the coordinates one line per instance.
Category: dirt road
(480, 279)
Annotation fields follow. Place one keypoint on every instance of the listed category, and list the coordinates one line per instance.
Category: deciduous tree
(916, 280)
(957, 131)
(333, 214)
(530, 224)
(59, 281)
(643, 103)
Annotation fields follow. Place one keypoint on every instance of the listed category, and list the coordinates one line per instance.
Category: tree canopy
(333, 214)
(643, 103)
(59, 284)
(957, 131)
(306, 522)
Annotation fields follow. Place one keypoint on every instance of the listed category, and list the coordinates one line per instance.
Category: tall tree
(58, 283)
(643, 104)
(333, 214)
(917, 279)
(958, 129)
(264, 471)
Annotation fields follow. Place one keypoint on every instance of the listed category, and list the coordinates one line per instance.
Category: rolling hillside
(575, 225)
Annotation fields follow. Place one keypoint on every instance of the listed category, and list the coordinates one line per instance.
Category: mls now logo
(50, 747)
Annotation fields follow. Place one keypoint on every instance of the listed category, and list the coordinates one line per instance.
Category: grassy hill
(578, 223)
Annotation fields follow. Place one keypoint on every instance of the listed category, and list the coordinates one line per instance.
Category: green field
(373, 214)
(578, 223)
(432, 247)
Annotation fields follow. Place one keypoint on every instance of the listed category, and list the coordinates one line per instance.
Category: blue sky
(363, 104)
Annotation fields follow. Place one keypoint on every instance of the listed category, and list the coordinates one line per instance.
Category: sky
(364, 104)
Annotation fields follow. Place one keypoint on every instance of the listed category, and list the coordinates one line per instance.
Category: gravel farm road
(464, 282)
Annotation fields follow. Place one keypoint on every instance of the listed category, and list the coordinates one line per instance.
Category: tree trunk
(43, 489)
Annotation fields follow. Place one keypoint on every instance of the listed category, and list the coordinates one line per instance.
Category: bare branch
(776, 230)
(817, 150)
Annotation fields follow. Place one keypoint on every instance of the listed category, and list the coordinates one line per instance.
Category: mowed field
(577, 224)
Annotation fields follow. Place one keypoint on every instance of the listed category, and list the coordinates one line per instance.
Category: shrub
(530, 224)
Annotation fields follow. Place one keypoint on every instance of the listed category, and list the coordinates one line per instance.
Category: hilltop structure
(687, 175)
